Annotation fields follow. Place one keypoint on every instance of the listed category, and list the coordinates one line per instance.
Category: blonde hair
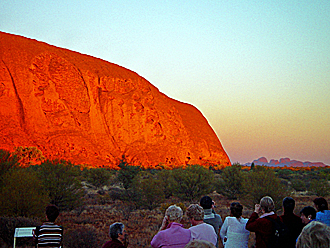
(314, 235)
(267, 204)
(199, 244)
(195, 211)
(174, 213)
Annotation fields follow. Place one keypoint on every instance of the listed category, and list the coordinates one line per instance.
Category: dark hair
(309, 211)
(236, 209)
(206, 202)
(52, 212)
(115, 229)
(321, 203)
(288, 204)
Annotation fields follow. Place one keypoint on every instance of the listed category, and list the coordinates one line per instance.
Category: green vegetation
(230, 184)
(62, 181)
(191, 183)
(22, 194)
(26, 190)
(262, 181)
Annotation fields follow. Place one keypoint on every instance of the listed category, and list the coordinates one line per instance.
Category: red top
(115, 243)
(262, 227)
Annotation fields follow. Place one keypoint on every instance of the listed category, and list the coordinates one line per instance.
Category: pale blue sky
(258, 70)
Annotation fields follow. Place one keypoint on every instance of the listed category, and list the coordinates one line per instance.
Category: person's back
(203, 231)
(200, 230)
(171, 232)
(293, 223)
(210, 217)
(233, 232)
(323, 214)
(49, 234)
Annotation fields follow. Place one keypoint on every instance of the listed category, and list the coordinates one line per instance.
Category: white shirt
(203, 232)
(234, 230)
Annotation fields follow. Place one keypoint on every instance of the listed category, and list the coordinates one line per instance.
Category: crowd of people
(309, 230)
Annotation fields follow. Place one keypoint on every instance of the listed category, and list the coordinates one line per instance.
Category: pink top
(173, 236)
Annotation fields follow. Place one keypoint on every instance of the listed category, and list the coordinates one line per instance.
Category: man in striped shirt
(49, 234)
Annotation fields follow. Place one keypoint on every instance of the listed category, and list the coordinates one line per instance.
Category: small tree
(22, 194)
(193, 182)
(150, 190)
(231, 182)
(97, 177)
(127, 173)
(319, 187)
(60, 179)
(168, 182)
(298, 184)
(260, 182)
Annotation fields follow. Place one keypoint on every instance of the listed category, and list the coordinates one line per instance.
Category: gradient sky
(259, 71)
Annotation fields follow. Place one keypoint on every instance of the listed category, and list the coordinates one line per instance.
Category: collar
(174, 224)
(267, 214)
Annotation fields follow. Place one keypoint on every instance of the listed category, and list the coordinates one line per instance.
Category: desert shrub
(22, 194)
(116, 193)
(7, 162)
(192, 182)
(260, 182)
(98, 177)
(104, 199)
(28, 155)
(7, 229)
(81, 237)
(127, 173)
(283, 173)
(167, 181)
(230, 184)
(319, 187)
(60, 179)
(298, 185)
(150, 190)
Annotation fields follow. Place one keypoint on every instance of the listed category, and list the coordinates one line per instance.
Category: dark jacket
(262, 227)
(295, 225)
(115, 243)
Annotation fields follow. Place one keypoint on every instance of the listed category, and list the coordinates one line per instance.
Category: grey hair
(314, 235)
(267, 204)
(116, 229)
(174, 213)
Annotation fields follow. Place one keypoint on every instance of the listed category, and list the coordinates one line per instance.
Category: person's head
(236, 209)
(314, 235)
(52, 212)
(267, 204)
(116, 230)
(206, 202)
(174, 213)
(321, 204)
(288, 204)
(199, 244)
(195, 212)
(307, 214)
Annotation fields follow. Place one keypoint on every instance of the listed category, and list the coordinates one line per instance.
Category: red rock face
(90, 111)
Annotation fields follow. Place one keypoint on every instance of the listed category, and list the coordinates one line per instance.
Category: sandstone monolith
(83, 109)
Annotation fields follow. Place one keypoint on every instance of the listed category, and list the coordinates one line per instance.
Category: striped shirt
(49, 235)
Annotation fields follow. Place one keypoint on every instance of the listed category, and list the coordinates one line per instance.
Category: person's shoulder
(218, 216)
(207, 226)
